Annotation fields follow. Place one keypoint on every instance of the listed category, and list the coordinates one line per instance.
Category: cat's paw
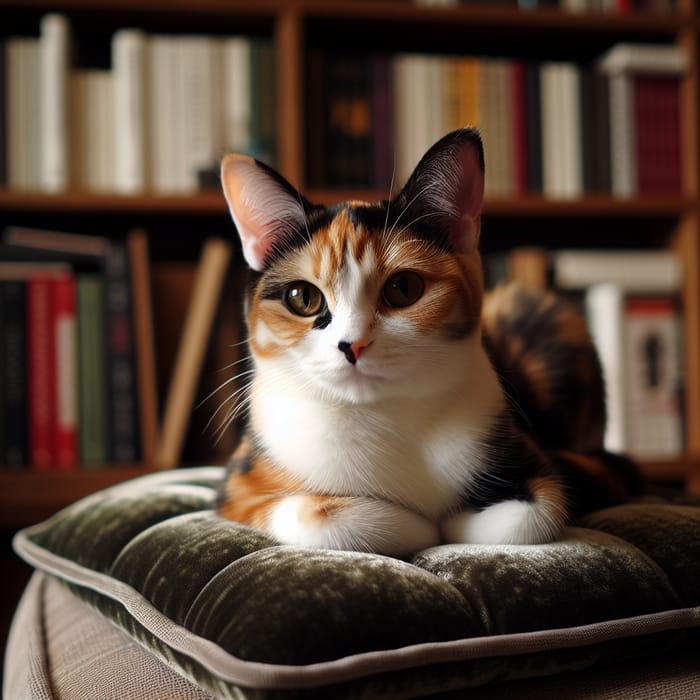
(507, 522)
(353, 523)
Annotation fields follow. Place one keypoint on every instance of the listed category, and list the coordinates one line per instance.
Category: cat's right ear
(264, 206)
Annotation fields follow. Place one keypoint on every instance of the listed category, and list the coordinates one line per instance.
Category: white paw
(508, 522)
(359, 524)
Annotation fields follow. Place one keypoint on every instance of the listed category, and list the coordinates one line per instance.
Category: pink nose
(352, 351)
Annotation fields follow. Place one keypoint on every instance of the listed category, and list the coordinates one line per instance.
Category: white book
(405, 123)
(53, 115)
(635, 271)
(164, 117)
(23, 113)
(604, 308)
(552, 131)
(198, 74)
(129, 67)
(623, 166)
(569, 118)
(236, 94)
(644, 58)
(92, 129)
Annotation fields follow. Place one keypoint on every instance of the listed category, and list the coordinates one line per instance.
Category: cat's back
(549, 368)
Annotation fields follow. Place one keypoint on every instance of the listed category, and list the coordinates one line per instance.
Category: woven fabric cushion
(243, 616)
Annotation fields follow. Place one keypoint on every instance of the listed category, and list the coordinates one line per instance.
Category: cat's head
(359, 301)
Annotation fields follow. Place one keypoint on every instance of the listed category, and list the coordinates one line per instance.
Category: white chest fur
(418, 452)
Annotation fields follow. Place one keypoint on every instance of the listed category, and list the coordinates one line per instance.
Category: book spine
(53, 115)
(40, 368)
(120, 352)
(622, 137)
(4, 109)
(236, 103)
(63, 321)
(533, 112)
(13, 377)
(382, 120)
(92, 372)
(519, 125)
(604, 307)
(130, 90)
(654, 379)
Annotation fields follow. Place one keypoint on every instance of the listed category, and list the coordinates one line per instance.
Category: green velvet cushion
(245, 617)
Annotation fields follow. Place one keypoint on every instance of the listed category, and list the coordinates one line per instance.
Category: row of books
(612, 6)
(631, 299)
(555, 128)
(77, 351)
(159, 118)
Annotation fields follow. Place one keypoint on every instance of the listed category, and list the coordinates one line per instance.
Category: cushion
(243, 616)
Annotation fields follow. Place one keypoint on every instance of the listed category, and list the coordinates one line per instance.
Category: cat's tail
(595, 480)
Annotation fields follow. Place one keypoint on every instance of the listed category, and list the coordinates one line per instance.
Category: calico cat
(391, 408)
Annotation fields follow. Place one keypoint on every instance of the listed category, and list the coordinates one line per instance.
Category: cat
(393, 406)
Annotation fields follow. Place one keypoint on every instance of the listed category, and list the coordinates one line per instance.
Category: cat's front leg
(354, 523)
(536, 520)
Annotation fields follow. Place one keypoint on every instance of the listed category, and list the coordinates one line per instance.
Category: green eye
(303, 299)
(403, 289)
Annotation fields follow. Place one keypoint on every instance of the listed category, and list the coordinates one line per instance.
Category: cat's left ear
(266, 209)
(446, 190)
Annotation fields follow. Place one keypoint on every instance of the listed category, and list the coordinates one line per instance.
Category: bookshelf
(295, 28)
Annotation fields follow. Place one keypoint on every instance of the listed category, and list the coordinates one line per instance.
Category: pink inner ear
(464, 233)
(260, 207)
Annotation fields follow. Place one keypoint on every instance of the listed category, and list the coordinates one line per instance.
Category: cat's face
(363, 302)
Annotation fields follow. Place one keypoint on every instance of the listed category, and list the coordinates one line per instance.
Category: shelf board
(29, 496)
(213, 204)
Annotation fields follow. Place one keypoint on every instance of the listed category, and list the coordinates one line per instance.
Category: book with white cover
(570, 117)
(92, 129)
(164, 116)
(23, 129)
(129, 68)
(236, 94)
(53, 116)
(644, 58)
(635, 271)
(604, 308)
(552, 131)
(199, 91)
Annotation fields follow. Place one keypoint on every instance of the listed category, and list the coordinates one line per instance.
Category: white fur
(363, 524)
(508, 522)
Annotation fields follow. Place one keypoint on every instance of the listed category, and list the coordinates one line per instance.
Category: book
(211, 271)
(533, 119)
(236, 94)
(624, 64)
(634, 271)
(92, 372)
(64, 372)
(54, 59)
(130, 89)
(13, 374)
(198, 90)
(4, 109)
(41, 401)
(654, 378)
(604, 309)
(92, 130)
(263, 100)
(382, 106)
(109, 257)
(23, 130)
(638, 342)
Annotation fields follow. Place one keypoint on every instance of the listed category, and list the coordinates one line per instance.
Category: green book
(92, 372)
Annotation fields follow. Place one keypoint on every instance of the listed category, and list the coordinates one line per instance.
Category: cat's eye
(303, 299)
(403, 289)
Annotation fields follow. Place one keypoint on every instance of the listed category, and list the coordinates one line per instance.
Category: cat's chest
(420, 453)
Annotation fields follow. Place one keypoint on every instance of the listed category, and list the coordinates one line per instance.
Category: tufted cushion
(243, 616)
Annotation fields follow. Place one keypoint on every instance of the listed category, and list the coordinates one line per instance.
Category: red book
(40, 371)
(63, 323)
(657, 134)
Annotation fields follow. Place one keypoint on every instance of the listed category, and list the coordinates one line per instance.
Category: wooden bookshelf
(393, 25)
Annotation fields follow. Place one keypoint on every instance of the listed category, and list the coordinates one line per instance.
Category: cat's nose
(352, 351)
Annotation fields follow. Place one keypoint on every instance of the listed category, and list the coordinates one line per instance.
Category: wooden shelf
(29, 496)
